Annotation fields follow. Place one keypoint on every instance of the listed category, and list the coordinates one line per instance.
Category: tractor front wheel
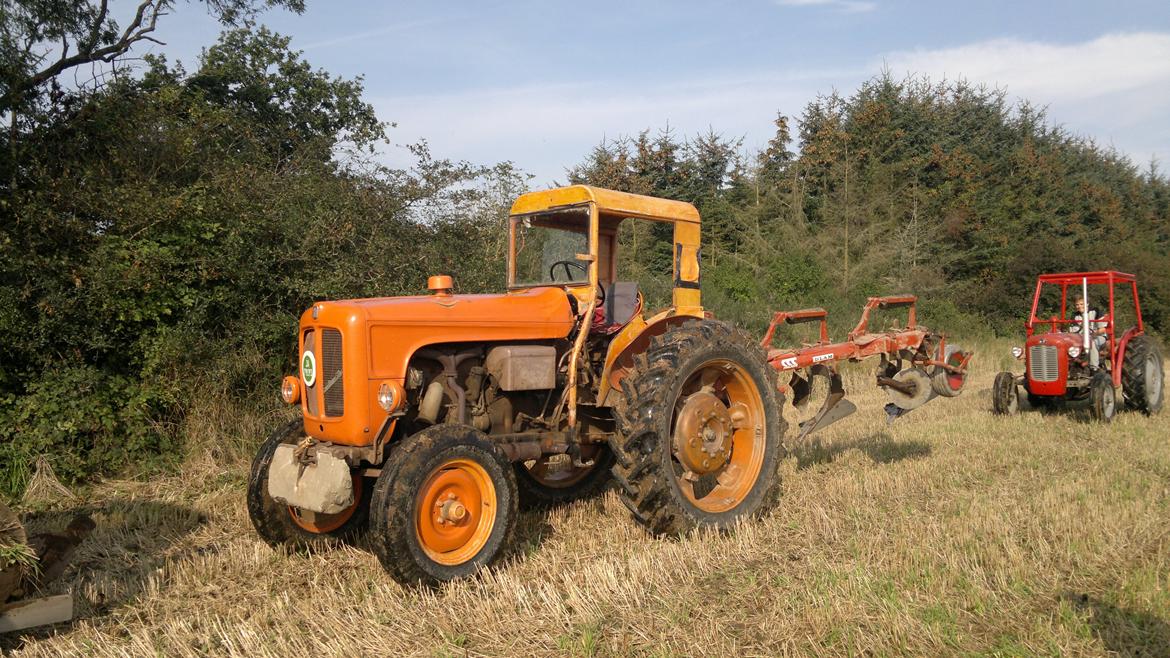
(1102, 398)
(279, 524)
(444, 506)
(1142, 376)
(1005, 399)
(700, 432)
(555, 480)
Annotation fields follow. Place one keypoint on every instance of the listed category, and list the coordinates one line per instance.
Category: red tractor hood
(1061, 340)
(1047, 373)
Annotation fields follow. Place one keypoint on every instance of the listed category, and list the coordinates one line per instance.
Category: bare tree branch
(144, 22)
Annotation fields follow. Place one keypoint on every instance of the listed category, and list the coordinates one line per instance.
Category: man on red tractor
(1097, 329)
(1085, 357)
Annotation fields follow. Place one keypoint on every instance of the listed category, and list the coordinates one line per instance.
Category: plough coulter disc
(946, 383)
(12, 536)
(917, 389)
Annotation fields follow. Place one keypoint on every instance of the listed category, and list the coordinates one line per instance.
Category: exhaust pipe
(1085, 315)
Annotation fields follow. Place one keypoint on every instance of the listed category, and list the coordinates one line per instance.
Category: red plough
(916, 364)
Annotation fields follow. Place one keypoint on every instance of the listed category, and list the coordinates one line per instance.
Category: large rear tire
(278, 524)
(1005, 398)
(699, 435)
(1142, 378)
(444, 506)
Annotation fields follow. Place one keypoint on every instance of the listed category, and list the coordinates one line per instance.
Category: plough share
(916, 366)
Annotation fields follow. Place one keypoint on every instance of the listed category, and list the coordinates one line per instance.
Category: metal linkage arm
(797, 317)
(893, 301)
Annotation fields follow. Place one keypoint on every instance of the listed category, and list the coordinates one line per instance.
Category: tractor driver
(1097, 326)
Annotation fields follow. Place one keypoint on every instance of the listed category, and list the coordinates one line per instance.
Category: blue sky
(540, 83)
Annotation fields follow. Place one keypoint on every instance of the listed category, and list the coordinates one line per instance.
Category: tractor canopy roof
(609, 202)
(1070, 278)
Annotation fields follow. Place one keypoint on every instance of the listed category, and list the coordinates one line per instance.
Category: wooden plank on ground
(36, 612)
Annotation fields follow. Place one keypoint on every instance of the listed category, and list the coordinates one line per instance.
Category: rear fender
(632, 340)
(1122, 345)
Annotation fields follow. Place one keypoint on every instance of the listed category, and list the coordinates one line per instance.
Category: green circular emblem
(309, 368)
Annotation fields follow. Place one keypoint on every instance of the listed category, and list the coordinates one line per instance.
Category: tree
(775, 159)
(41, 39)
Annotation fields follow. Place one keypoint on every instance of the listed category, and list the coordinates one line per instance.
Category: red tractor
(1074, 351)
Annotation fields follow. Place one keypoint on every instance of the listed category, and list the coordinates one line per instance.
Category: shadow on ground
(532, 528)
(132, 540)
(880, 447)
(1127, 632)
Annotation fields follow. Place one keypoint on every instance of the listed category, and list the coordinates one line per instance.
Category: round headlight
(290, 390)
(390, 395)
(1074, 351)
(1017, 352)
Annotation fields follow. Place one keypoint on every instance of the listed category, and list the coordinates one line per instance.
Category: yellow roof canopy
(609, 202)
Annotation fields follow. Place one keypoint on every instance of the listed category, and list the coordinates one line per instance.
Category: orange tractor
(427, 420)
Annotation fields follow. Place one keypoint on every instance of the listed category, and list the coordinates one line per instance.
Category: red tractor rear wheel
(1142, 379)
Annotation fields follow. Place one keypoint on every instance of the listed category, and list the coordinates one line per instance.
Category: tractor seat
(621, 304)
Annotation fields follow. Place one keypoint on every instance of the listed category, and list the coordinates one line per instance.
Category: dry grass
(952, 532)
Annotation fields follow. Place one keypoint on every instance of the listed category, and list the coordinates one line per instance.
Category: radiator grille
(331, 375)
(1043, 364)
(311, 391)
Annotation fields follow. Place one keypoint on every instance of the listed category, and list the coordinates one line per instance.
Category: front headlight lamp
(390, 396)
(290, 390)
(1074, 351)
(1017, 352)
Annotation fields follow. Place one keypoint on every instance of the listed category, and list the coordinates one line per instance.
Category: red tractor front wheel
(1102, 398)
(1005, 398)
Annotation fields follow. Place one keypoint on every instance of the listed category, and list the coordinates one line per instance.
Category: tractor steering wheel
(566, 264)
(584, 270)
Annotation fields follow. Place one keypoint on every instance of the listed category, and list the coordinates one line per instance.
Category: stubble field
(950, 532)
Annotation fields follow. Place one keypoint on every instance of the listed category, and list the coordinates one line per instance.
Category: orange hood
(393, 328)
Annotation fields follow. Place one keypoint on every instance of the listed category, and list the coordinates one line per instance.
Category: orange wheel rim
(455, 512)
(558, 471)
(322, 523)
(734, 434)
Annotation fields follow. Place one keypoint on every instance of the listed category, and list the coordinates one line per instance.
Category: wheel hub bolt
(452, 511)
(457, 511)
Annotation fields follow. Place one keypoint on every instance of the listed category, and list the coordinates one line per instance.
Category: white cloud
(546, 128)
(1108, 65)
(1115, 88)
(850, 6)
